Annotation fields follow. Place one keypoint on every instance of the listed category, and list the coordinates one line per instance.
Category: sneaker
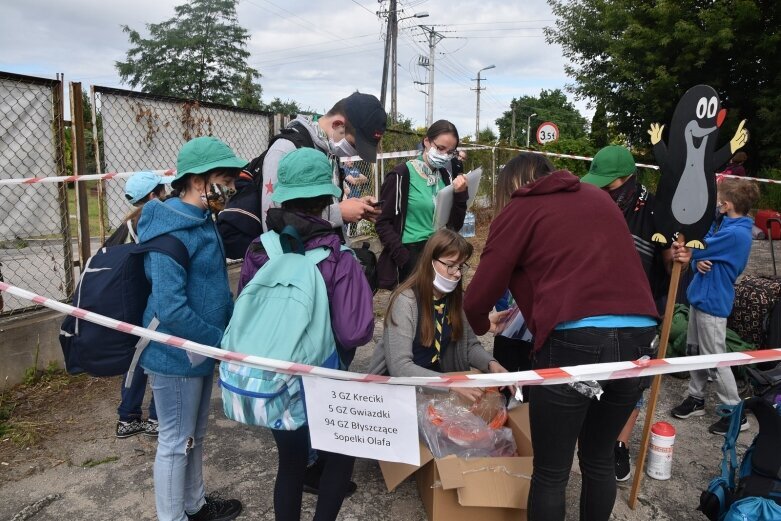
(623, 469)
(217, 509)
(722, 426)
(130, 428)
(689, 407)
(151, 428)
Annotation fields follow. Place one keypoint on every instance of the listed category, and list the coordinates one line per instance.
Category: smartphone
(378, 204)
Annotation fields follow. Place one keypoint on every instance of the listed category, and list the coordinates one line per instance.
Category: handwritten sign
(363, 420)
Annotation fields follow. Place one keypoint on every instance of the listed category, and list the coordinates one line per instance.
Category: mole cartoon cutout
(686, 197)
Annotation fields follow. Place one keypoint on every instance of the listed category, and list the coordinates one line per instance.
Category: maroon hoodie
(563, 249)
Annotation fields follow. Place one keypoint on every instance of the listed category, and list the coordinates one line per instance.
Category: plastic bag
(449, 426)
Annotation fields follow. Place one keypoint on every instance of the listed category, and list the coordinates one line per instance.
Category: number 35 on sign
(547, 132)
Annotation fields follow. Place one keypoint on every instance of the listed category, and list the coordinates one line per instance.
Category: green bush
(770, 194)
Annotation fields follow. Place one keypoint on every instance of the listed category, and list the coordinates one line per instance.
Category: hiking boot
(130, 428)
(722, 426)
(151, 428)
(217, 509)
(623, 469)
(689, 407)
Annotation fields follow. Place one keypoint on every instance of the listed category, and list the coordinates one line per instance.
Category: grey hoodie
(279, 149)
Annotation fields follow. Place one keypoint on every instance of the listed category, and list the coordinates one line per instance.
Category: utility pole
(433, 39)
(385, 65)
(477, 111)
(512, 132)
(393, 24)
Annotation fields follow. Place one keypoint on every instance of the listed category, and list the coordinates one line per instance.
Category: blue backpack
(757, 494)
(282, 313)
(113, 283)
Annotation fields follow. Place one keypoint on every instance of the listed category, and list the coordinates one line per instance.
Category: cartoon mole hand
(740, 139)
(656, 133)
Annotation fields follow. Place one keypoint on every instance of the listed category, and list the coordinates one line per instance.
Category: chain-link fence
(35, 246)
(139, 131)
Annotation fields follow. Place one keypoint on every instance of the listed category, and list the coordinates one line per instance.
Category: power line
(310, 57)
(309, 26)
(322, 42)
(364, 7)
(271, 61)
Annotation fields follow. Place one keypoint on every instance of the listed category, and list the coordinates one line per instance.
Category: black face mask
(624, 195)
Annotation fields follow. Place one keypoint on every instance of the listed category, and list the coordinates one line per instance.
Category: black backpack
(113, 283)
(241, 220)
(759, 474)
(368, 260)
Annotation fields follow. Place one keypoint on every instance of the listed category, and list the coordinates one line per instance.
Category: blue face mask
(437, 159)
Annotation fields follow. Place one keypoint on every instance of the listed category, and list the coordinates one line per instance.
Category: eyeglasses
(443, 150)
(452, 269)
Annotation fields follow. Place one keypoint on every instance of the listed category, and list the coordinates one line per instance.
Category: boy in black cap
(353, 127)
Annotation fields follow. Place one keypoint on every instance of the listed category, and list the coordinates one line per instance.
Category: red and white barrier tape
(384, 155)
(77, 178)
(558, 375)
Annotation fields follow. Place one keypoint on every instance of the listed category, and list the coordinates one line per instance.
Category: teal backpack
(282, 313)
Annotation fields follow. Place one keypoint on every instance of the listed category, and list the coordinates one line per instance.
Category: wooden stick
(667, 322)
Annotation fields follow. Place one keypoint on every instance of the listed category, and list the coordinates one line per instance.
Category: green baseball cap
(302, 174)
(202, 154)
(609, 164)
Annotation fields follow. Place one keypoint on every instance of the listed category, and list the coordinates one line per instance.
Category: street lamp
(477, 111)
(528, 127)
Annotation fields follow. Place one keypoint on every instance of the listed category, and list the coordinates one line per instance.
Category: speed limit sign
(548, 132)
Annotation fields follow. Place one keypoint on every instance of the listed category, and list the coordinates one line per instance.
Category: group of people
(574, 256)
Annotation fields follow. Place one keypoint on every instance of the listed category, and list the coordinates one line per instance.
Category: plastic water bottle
(660, 452)
(468, 229)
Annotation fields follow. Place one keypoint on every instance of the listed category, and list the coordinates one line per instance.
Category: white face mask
(442, 283)
(343, 148)
(436, 159)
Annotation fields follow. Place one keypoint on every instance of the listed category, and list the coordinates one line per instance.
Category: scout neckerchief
(432, 180)
(440, 318)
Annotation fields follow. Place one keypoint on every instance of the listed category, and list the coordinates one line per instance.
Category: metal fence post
(77, 135)
(58, 124)
(98, 168)
(493, 177)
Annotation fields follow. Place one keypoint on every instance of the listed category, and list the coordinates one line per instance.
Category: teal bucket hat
(609, 164)
(202, 154)
(302, 174)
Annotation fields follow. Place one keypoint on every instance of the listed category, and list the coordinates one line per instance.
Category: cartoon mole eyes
(707, 107)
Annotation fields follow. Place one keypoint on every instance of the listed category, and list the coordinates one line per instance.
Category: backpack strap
(168, 245)
(729, 461)
(140, 346)
(275, 245)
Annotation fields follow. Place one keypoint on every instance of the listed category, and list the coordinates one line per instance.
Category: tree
(638, 58)
(600, 136)
(198, 54)
(550, 105)
(249, 93)
(282, 107)
(486, 136)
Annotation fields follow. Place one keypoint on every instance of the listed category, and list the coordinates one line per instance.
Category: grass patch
(88, 464)
(93, 209)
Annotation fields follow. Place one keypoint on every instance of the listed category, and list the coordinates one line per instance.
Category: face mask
(444, 284)
(343, 148)
(217, 197)
(624, 194)
(437, 160)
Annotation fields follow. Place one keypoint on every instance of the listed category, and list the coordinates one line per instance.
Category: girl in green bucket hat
(195, 304)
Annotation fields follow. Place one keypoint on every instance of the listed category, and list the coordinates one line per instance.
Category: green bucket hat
(202, 154)
(302, 174)
(609, 164)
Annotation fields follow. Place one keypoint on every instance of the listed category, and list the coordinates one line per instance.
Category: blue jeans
(133, 397)
(183, 411)
(561, 417)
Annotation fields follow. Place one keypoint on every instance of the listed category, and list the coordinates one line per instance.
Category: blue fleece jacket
(195, 304)
(728, 248)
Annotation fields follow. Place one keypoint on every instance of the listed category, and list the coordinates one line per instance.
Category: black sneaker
(217, 509)
(623, 469)
(130, 428)
(722, 426)
(689, 407)
(151, 428)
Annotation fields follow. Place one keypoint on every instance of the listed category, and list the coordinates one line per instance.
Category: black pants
(514, 355)
(414, 249)
(293, 449)
(561, 417)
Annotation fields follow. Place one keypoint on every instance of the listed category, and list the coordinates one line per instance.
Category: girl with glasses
(426, 332)
(409, 194)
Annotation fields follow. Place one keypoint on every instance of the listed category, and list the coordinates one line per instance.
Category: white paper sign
(445, 197)
(364, 420)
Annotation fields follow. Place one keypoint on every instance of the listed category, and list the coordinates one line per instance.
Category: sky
(316, 52)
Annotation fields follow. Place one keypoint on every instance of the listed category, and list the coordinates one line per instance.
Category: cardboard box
(484, 489)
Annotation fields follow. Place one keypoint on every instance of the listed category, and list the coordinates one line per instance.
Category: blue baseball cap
(142, 184)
